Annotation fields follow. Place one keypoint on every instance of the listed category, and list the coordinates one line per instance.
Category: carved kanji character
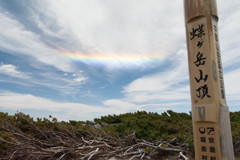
(199, 32)
(203, 92)
(201, 77)
(200, 60)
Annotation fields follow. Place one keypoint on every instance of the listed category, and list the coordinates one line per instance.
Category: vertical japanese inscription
(219, 63)
(199, 62)
(208, 142)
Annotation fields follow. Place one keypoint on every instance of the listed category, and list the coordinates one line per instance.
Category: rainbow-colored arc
(113, 58)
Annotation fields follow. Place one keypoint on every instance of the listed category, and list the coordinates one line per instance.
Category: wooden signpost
(211, 123)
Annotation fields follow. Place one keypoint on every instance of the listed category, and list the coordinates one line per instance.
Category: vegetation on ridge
(111, 129)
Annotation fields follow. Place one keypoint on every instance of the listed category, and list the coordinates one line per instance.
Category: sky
(83, 59)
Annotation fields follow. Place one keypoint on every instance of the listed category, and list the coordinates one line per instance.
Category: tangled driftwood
(47, 144)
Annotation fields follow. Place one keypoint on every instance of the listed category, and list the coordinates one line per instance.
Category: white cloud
(66, 111)
(105, 28)
(13, 71)
(62, 83)
(167, 85)
(229, 13)
(232, 85)
(112, 28)
(80, 79)
(74, 111)
(121, 106)
(16, 39)
(160, 91)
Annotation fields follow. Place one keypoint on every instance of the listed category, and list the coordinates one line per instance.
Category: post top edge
(196, 8)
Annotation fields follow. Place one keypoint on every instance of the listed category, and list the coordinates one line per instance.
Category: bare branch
(183, 156)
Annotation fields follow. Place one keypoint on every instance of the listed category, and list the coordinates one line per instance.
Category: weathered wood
(211, 123)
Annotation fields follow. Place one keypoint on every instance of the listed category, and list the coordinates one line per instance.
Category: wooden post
(211, 123)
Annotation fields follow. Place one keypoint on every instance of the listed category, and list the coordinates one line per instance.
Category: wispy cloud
(65, 83)
(114, 28)
(160, 91)
(28, 43)
(108, 28)
(171, 84)
(229, 11)
(11, 70)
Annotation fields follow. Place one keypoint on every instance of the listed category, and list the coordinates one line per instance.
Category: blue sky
(84, 59)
